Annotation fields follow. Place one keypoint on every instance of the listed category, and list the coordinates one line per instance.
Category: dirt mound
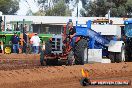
(63, 76)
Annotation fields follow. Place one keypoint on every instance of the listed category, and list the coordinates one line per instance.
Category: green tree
(129, 8)
(118, 8)
(96, 8)
(9, 6)
(59, 8)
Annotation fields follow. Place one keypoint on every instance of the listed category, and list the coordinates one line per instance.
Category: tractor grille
(57, 45)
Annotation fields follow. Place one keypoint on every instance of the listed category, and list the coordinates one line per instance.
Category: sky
(24, 7)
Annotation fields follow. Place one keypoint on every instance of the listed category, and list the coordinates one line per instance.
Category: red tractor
(62, 47)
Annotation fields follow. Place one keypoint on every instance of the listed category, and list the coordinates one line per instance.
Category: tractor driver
(72, 32)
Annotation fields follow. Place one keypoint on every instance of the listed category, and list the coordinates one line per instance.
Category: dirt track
(31, 75)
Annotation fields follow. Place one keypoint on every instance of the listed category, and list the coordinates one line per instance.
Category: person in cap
(71, 32)
(36, 43)
(15, 41)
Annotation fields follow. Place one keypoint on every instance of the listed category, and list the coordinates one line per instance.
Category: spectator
(26, 28)
(31, 45)
(36, 43)
(15, 41)
(24, 42)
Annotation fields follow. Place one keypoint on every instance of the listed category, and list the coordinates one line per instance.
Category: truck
(76, 51)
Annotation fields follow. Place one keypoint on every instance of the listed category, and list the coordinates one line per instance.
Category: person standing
(15, 41)
(36, 43)
(24, 42)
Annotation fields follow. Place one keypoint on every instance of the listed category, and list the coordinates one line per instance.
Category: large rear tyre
(80, 52)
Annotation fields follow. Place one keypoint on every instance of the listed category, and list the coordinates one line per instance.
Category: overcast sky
(24, 7)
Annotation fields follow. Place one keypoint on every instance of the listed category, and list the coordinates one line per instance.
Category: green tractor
(5, 39)
(6, 34)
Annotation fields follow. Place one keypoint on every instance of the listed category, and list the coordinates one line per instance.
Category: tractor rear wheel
(80, 52)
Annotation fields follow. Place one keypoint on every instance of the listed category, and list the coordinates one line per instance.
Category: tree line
(91, 8)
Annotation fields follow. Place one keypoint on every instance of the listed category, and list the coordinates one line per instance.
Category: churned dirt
(20, 71)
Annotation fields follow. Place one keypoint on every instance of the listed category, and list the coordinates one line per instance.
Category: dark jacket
(15, 39)
(72, 31)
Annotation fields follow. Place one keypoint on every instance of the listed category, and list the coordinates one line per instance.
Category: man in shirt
(72, 30)
(72, 33)
(36, 43)
(15, 41)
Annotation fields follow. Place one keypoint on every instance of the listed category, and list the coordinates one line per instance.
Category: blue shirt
(15, 39)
